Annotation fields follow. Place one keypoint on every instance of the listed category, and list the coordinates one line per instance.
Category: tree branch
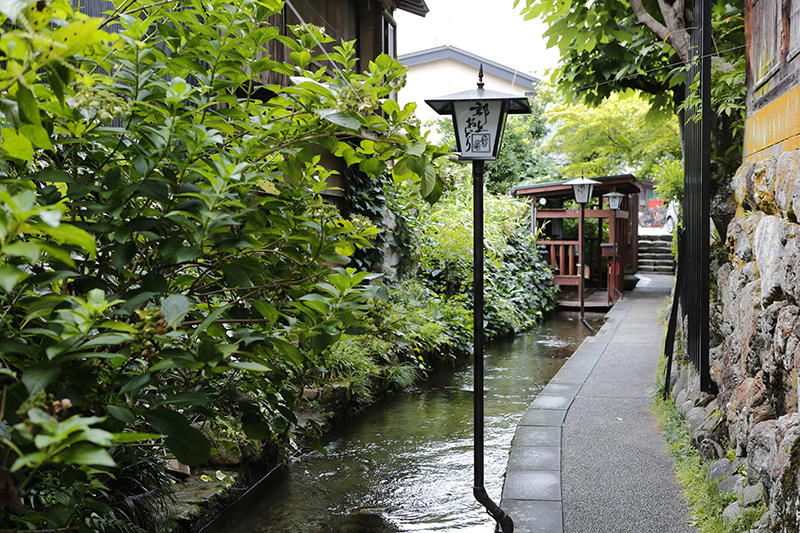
(674, 32)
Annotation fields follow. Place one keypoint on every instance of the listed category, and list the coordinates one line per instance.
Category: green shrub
(165, 253)
(402, 338)
(519, 286)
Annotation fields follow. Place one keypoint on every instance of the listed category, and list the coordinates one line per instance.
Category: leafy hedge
(165, 255)
(519, 285)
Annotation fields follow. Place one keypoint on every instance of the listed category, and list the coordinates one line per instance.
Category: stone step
(652, 261)
(652, 264)
(664, 251)
(653, 255)
(656, 269)
(667, 238)
(659, 245)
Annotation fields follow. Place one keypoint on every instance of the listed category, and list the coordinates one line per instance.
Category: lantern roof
(516, 104)
(625, 183)
(444, 104)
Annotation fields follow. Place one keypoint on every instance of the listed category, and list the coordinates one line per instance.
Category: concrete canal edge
(532, 488)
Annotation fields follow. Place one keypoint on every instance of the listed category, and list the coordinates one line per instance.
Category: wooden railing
(563, 257)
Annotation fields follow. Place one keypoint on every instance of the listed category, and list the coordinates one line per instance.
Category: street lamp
(614, 203)
(479, 118)
(582, 188)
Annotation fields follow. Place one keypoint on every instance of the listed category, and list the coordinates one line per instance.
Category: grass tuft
(706, 503)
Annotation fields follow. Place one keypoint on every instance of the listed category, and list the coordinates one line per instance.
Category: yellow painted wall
(773, 129)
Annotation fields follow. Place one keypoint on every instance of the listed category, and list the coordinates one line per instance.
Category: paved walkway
(587, 456)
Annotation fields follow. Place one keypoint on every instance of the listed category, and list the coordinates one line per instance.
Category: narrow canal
(406, 463)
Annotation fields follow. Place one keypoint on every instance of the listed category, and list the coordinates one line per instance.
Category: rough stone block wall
(756, 348)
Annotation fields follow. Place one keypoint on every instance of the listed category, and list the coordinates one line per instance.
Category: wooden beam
(568, 280)
(574, 213)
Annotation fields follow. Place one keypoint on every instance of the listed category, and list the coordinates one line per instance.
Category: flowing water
(406, 463)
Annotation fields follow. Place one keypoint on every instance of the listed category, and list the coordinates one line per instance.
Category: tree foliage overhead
(615, 46)
(637, 44)
(615, 137)
(166, 256)
(519, 161)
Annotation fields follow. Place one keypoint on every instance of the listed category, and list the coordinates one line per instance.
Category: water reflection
(406, 463)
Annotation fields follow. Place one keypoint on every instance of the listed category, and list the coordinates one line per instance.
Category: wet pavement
(587, 455)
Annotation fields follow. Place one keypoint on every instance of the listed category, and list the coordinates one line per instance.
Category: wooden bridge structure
(604, 270)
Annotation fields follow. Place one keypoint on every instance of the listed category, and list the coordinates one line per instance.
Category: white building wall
(447, 76)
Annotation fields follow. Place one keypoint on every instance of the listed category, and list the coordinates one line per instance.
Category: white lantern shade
(582, 188)
(614, 200)
(479, 126)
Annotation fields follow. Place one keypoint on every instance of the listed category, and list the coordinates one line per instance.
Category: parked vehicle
(665, 217)
(671, 220)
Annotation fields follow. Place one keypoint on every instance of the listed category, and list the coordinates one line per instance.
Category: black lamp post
(614, 203)
(479, 118)
(582, 188)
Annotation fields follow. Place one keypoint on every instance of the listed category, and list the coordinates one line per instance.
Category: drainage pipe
(504, 521)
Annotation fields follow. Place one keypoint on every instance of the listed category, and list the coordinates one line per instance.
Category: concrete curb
(532, 493)
(532, 488)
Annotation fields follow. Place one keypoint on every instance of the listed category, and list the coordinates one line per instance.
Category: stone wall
(755, 352)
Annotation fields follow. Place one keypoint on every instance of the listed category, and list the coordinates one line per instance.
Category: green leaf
(428, 183)
(235, 276)
(52, 175)
(175, 308)
(254, 427)
(122, 414)
(107, 339)
(16, 145)
(416, 148)
(373, 166)
(340, 119)
(436, 193)
(37, 135)
(345, 248)
(188, 444)
(185, 398)
(39, 375)
(313, 85)
(253, 367)
(266, 310)
(208, 320)
(125, 438)
(14, 8)
(390, 107)
(75, 36)
(85, 453)
(59, 76)
(69, 234)
(301, 59)
(136, 383)
(32, 459)
(9, 277)
(28, 108)
(290, 351)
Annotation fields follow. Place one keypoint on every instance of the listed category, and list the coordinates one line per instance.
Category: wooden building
(606, 264)
(772, 30)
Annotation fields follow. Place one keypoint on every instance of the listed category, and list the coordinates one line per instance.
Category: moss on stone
(786, 505)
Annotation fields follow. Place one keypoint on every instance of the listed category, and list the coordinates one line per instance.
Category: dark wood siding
(773, 31)
(348, 20)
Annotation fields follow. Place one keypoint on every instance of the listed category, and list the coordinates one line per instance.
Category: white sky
(488, 28)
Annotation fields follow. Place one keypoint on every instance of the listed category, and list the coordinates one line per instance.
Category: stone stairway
(655, 254)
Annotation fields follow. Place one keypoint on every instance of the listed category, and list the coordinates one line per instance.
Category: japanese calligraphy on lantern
(478, 122)
(479, 140)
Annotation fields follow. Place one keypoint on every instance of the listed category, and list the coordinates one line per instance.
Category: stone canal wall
(755, 353)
